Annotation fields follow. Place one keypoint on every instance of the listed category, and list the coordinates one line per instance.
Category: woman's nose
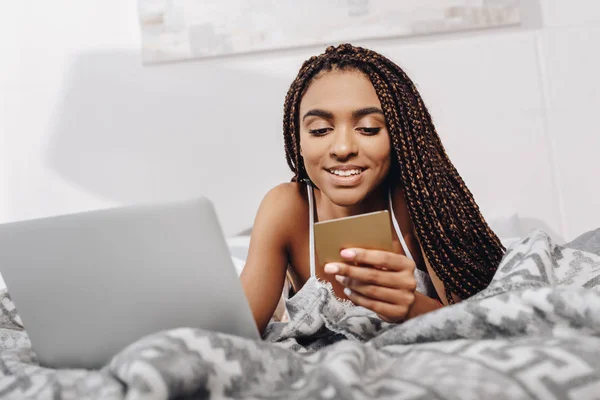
(344, 144)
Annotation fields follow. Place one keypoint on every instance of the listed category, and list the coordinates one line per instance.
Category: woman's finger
(387, 312)
(372, 276)
(376, 292)
(378, 259)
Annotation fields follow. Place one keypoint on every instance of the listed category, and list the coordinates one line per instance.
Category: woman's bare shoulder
(283, 206)
(289, 196)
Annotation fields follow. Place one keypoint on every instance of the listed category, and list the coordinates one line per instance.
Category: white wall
(571, 61)
(84, 125)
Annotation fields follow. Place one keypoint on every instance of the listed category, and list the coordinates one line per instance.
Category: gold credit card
(366, 231)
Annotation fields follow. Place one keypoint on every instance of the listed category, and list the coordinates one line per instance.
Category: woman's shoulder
(285, 203)
(281, 215)
(287, 196)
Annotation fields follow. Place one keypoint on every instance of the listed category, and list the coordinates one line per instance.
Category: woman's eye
(369, 131)
(319, 132)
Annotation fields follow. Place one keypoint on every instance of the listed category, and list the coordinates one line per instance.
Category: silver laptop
(87, 285)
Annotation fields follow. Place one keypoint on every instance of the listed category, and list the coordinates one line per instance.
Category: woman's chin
(347, 191)
(346, 197)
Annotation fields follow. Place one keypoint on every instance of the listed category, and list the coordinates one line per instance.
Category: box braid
(460, 246)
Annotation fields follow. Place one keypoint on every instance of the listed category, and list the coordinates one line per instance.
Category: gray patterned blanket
(534, 333)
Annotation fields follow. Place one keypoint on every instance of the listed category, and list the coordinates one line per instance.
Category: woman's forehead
(340, 90)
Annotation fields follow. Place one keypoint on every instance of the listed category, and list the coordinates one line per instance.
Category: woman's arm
(422, 305)
(264, 273)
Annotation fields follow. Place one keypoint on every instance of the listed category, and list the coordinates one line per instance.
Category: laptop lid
(87, 285)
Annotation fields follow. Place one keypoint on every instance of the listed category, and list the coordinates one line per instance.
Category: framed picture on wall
(187, 29)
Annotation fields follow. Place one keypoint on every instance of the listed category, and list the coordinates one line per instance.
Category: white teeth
(345, 172)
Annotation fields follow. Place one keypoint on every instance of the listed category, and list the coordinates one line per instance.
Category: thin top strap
(397, 227)
(311, 231)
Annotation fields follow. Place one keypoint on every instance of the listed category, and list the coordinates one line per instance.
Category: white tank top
(424, 284)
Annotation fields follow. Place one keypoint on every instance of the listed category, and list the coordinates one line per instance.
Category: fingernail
(348, 253)
(341, 279)
(347, 292)
(331, 269)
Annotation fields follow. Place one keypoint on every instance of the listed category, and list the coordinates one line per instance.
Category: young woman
(358, 139)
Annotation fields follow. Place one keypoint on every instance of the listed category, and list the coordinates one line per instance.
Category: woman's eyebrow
(358, 114)
(318, 113)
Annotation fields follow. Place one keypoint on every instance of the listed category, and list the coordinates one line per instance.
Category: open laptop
(87, 285)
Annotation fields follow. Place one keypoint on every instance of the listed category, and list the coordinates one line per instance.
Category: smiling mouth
(346, 172)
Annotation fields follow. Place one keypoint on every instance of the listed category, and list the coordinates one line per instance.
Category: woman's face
(344, 140)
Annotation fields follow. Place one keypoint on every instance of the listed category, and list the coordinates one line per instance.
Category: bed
(534, 333)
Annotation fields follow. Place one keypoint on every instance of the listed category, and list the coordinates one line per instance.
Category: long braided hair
(460, 246)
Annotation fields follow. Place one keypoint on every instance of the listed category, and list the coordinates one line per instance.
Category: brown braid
(460, 246)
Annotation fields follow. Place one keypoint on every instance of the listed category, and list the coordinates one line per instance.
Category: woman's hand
(381, 281)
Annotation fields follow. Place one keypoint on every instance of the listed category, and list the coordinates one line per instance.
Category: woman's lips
(346, 176)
